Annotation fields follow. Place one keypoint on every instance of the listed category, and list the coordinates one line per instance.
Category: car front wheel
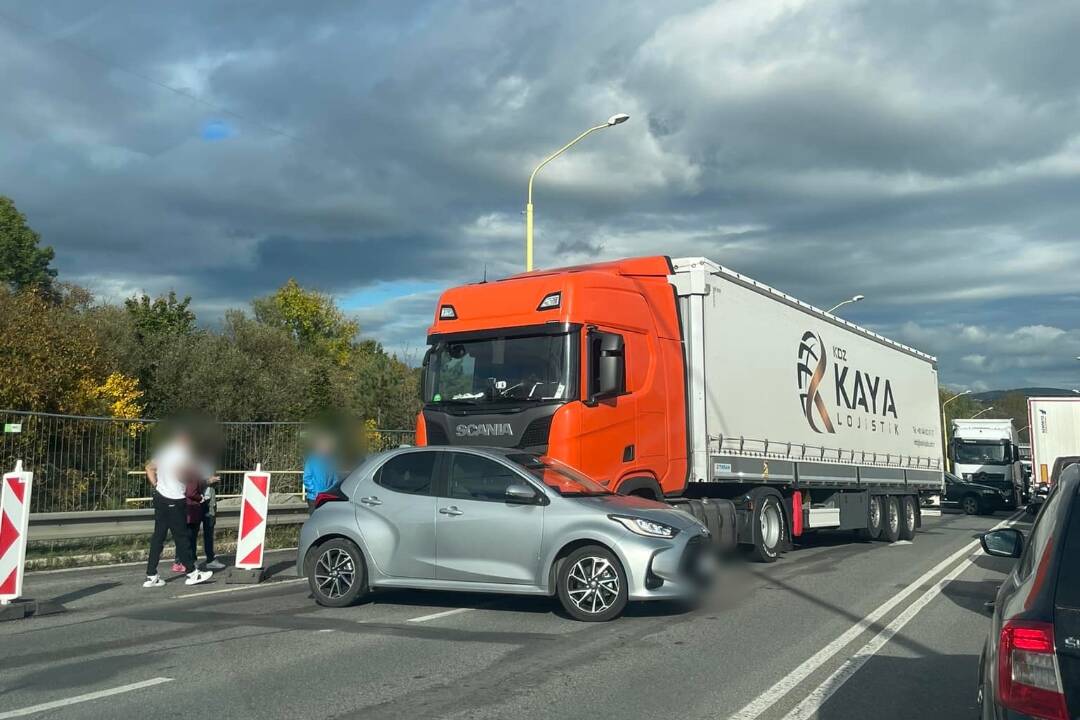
(592, 584)
(336, 575)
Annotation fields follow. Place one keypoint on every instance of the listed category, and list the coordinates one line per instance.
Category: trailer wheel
(874, 512)
(907, 517)
(770, 530)
(890, 527)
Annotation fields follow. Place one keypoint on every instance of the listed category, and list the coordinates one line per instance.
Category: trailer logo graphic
(812, 350)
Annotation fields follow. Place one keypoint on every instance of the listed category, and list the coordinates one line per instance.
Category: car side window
(477, 478)
(1040, 534)
(410, 473)
(1068, 583)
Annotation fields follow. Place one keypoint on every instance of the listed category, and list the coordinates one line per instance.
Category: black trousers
(170, 516)
(207, 537)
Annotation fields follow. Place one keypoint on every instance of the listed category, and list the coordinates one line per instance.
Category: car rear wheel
(908, 517)
(336, 575)
(890, 527)
(872, 531)
(592, 584)
(971, 505)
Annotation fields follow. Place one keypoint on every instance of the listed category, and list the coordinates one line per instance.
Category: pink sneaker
(177, 568)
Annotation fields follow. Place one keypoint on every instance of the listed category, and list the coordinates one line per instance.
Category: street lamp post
(853, 299)
(945, 427)
(611, 121)
(984, 410)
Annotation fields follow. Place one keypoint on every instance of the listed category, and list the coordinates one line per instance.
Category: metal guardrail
(109, 523)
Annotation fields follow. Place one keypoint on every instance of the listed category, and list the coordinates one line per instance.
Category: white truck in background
(1055, 438)
(987, 452)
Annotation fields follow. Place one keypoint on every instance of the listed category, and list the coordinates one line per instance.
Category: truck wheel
(890, 527)
(907, 517)
(769, 527)
(592, 584)
(971, 505)
(872, 531)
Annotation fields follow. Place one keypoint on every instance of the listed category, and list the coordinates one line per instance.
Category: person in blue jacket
(320, 468)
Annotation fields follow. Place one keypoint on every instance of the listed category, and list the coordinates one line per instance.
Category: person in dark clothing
(168, 473)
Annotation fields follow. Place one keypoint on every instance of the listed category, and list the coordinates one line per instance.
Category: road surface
(836, 630)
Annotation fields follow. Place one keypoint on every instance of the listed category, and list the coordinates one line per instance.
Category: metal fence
(95, 463)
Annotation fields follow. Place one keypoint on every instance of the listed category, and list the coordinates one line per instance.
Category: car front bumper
(667, 569)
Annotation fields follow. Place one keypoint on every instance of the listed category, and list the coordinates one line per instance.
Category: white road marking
(901, 542)
(759, 705)
(275, 583)
(83, 698)
(813, 702)
(436, 616)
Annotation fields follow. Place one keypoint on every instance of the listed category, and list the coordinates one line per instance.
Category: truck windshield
(533, 368)
(980, 453)
(558, 476)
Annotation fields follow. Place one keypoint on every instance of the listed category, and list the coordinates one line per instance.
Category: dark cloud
(924, 153)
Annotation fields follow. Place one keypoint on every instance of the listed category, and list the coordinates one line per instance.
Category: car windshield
(980, 453)
(558, 476)
(535, 368)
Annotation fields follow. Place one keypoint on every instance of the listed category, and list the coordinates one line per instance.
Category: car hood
(641, 507)
(980, 486)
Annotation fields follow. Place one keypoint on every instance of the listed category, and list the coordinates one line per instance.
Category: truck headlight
(648, 528)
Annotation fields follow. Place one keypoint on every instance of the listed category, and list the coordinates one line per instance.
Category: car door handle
(371, 500)
(452, 510)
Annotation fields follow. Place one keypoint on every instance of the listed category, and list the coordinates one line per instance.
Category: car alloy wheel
(971, 505)
(335, 573)
(593, 585)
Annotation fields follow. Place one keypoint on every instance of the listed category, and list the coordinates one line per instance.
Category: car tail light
(1028, 677)
(331, 495)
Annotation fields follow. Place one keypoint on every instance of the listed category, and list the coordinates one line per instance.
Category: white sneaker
(153, 581)
(198, 576)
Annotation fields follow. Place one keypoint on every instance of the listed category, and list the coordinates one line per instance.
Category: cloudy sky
(925, 153)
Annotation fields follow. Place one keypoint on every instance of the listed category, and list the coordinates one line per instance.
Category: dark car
(1040, 489)
(973, 498)
(1030, 666)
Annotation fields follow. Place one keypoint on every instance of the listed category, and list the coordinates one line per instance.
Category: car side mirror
(1006, 542)
(520, 493)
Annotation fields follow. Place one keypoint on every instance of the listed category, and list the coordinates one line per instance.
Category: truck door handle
(452, 510)
(371, 500)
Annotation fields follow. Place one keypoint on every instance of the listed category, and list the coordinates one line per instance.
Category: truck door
(609, 424)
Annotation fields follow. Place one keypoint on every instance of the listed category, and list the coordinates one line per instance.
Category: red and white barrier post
(251, 539)
(14, 526)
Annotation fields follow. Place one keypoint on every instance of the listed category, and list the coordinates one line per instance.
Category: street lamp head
(618, 119)
(857, 298)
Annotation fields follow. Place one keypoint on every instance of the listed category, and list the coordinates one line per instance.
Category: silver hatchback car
(496, 520)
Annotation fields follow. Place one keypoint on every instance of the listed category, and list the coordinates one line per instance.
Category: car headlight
(648, 528)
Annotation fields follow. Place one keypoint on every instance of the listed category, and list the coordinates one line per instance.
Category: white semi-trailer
(986, 451)
(1054, 423)
(684, 381)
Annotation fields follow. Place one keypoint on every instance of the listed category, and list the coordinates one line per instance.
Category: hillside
(993, 395)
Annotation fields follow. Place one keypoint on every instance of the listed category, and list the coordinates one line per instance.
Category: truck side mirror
(607, 366)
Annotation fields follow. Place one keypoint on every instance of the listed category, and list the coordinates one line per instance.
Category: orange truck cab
(583, 363)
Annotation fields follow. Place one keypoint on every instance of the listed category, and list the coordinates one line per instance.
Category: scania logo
(813, 362)
(483, 429)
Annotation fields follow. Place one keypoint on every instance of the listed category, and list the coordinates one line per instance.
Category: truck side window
(607, 365)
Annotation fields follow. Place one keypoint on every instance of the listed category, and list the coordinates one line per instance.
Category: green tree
(162, 316)
(23, 264)
(311, 318)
